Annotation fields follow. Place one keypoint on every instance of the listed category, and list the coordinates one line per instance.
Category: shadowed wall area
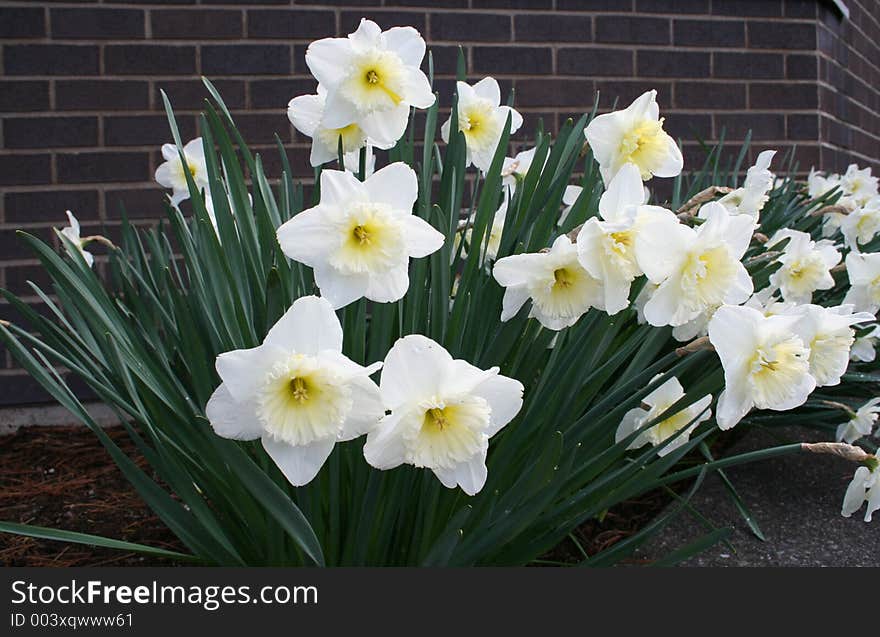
(82, 118)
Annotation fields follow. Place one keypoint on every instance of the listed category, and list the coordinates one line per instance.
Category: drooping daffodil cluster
(864, 488)
(678, 425)
(861, 422)
(72, 232)
(859, 198)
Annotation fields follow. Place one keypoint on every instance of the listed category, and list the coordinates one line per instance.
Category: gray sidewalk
(796, 502)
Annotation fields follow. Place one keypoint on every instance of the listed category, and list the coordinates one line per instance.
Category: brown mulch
(61, 477)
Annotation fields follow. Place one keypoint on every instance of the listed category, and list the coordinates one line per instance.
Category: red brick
(97, 24)
(179, 24)
(50, 132)
(191, 94)
(50, 59)
(748, 65)
(149, 59)
(145, 130)
(103, 167)
(463, 27)
(246, 59)
(762, 125)
(22, 22)
(552, 28)
(512, 60)
(708, 33)
(595, 62)
(711, 95)
(97, 95)
(783, 96)
(19, 96)
(49, 205)
(349, 20)
(632, 30)
(294, 24)
(782, 35)
(25, 170)
(672, 64)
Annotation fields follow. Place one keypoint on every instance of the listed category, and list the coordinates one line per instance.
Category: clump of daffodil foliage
(444, 356)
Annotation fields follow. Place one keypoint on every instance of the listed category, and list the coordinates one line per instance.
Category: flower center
(480, 127)
(804, 275)
(448, 432)
(569, 293)
(436, 419)
(776, 369)
(299, 389)
(618, 246)
(361, 235)
(668, 427)
(372, 240)
(706, 277)
(643, 145)
(563, 278)
(301, 401)
(376, 82)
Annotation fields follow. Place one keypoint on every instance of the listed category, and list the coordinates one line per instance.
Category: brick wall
(82, 118)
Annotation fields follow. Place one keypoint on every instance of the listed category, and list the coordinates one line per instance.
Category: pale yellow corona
(302, 402)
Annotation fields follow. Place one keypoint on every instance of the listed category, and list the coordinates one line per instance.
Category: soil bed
(61, 477)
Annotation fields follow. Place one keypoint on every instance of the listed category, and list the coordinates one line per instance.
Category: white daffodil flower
(698, 269)
(864, 280)
(560, 288)
(443, 413)
(860, 423)
(765, 360)
(865, 487)
(806, 265)
(827, 332)
(372, 78)
(361, 235)
(750, 198)
(72, 232)
(606, 244)
(481, 119)
(658, 402)
(171, 173)
(515, 169)
(306, 113)
(863, 349)
(861, 225)
(859, 184)
(634, 135)
(818, 184)
(296, 392)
